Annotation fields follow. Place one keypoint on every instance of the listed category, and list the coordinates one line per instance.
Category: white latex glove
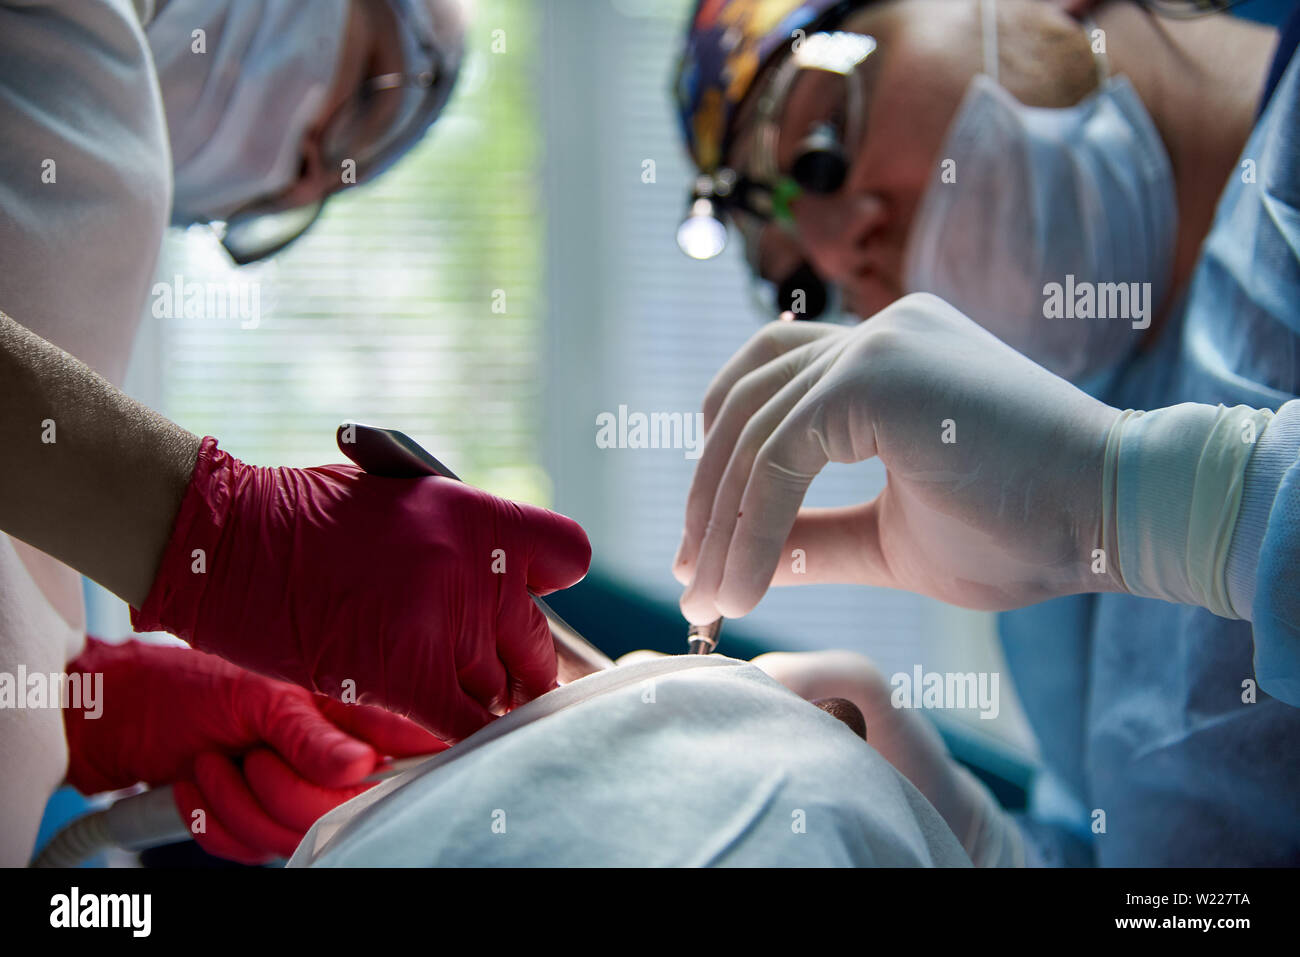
(1004, 514)
(911, 744)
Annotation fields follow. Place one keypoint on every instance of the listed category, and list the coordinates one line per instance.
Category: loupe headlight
(703, 233)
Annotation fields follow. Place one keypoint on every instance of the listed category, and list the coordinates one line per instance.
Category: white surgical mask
(1080, 195)
(237, 114)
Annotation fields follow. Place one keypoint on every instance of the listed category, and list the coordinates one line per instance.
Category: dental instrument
(703, 639)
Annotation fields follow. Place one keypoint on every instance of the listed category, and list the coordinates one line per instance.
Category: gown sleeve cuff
(1275, 452)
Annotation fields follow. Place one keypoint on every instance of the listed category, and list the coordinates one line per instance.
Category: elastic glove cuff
(174, 600)
(1172, 495)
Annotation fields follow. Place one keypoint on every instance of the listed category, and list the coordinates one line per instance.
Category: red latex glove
(178, 716)
(327, 575)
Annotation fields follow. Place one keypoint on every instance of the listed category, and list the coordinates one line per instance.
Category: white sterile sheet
(685, 761)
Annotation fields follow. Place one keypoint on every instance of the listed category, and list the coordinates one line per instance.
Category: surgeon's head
(274, 106)
(975, 150)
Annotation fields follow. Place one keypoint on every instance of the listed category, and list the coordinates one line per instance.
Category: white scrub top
(85, 188)
(684, 761)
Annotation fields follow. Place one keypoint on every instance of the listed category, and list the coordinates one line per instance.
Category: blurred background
(512, 278)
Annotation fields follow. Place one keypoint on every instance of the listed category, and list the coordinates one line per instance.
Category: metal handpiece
(703, 639)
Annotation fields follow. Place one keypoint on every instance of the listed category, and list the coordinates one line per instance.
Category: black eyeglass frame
(259, 210)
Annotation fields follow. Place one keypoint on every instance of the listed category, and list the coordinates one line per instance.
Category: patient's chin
(846, 711)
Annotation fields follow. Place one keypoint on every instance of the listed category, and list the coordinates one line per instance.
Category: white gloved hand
(911, 744)
(994, 494)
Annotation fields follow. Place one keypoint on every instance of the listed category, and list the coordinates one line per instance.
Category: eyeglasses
(365, 125)
(826, 68)
(361, 130)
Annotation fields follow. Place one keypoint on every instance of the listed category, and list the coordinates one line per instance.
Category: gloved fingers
(839, 546)
(209, 832)
(226, 793)
(529, 652)
(772, 341)
(699, 601)
(747, 396)
(773, 494)
(287, 797)
(556, 551)
(387, 733)
(318, 749)
(862, 552)
(450, 712)
(482, 674)
(553, 553)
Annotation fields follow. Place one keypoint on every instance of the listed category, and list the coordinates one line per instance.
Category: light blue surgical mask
(238, 112)
(1041, 198)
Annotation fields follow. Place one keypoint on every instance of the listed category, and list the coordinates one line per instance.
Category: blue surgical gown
(1153, 756)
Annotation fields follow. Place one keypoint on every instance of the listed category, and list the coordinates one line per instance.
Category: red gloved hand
(177, 716)
(414, 590)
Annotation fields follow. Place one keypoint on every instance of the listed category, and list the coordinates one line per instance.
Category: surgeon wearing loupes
(1072, 232)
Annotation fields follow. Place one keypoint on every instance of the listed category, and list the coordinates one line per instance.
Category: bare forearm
(88, 475)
